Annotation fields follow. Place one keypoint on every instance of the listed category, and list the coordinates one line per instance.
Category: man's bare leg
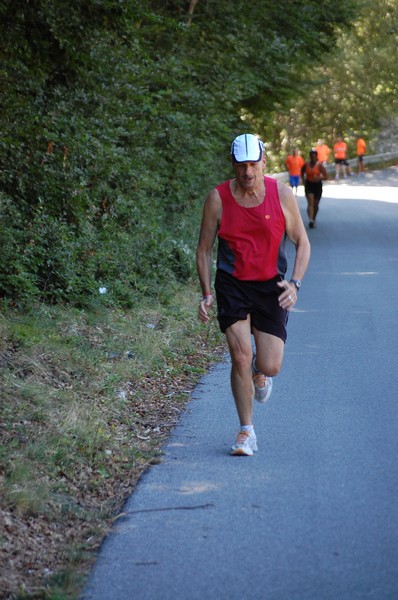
(239, 342)
(269, 353)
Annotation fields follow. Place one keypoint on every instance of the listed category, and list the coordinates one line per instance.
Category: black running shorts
(236, 299)
(314, 187)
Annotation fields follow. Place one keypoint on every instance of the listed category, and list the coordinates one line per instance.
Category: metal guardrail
(331, 168)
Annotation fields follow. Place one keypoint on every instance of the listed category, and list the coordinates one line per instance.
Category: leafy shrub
(116, 119)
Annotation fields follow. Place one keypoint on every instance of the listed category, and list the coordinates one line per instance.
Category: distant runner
(323, 152)
(313, 173)
(293, 163)
(340, 157)
(361, 150)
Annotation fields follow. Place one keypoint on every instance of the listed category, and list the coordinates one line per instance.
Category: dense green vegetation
(116, 119)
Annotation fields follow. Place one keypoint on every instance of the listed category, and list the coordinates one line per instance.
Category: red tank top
(251, 241)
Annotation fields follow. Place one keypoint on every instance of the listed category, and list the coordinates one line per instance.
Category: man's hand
(288, 298)
(205, 307)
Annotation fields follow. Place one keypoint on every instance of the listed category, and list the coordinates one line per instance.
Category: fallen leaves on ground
(37, 550)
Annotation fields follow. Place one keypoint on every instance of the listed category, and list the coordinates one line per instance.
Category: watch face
(296, 282)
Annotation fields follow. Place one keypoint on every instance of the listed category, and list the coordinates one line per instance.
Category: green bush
(116, 119)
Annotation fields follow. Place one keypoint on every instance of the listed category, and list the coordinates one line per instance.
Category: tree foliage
(354, 91)
(116, 116)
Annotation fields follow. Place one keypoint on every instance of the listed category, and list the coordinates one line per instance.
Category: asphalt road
(313, 515)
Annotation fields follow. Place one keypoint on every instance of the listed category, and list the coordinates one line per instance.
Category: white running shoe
(262, 384)
(262, 387)
(245, 444)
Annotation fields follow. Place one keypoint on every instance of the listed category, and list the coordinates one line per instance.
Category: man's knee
(241, 358)
(239, 344)
(269, 353)
(269, 360)
(270, 367)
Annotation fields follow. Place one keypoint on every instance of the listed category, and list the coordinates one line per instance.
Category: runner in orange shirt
(323, 152)
(340, 157)
(293, 163)
(361, 150)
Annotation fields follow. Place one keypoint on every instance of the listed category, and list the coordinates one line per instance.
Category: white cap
(247, 148)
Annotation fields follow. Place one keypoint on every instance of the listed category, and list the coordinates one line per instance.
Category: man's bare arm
(212, 211)
(295, 230)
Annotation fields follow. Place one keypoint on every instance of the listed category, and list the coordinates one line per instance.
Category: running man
(251, 215)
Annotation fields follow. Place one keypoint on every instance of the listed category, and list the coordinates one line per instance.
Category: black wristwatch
(297, 283)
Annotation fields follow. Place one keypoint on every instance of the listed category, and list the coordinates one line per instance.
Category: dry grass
(87, 400)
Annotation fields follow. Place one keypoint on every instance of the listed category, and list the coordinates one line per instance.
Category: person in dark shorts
(361, 150)
(312, 174)
(340, 158)
(251, 215)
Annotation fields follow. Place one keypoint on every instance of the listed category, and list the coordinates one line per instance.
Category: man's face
(249, 174)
